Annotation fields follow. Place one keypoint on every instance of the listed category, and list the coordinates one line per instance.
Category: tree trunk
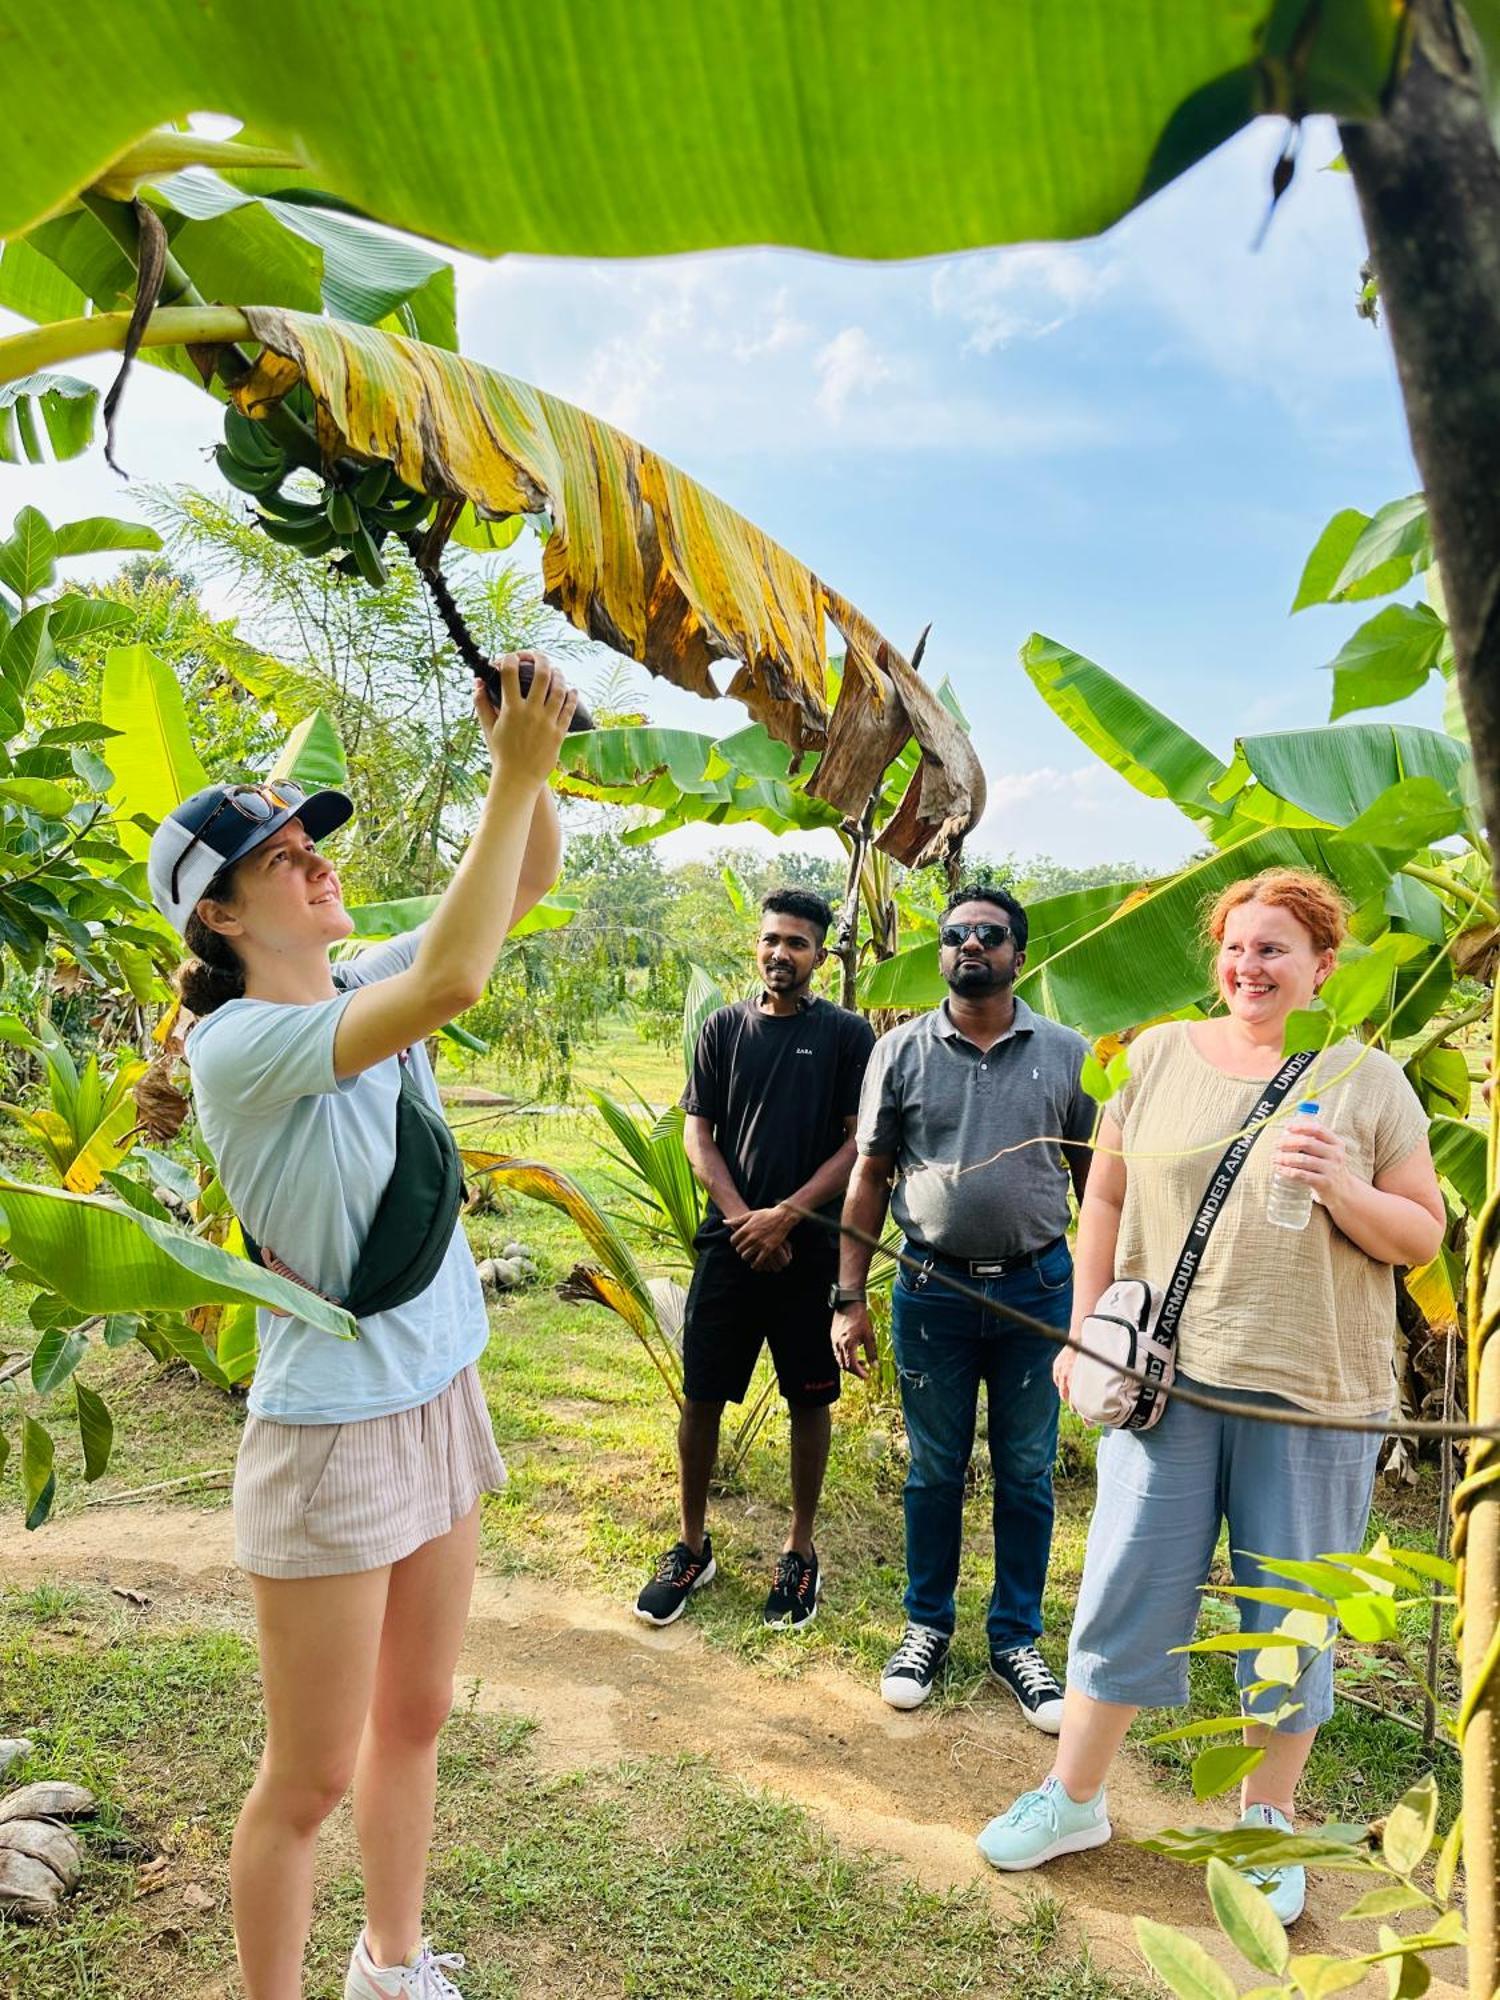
(1428, 179)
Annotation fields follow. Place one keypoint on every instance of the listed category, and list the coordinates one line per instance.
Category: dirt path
(601, 1686)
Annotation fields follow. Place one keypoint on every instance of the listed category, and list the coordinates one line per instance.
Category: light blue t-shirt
(304, 1160)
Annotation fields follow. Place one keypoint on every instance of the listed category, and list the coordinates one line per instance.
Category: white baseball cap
(219, 825)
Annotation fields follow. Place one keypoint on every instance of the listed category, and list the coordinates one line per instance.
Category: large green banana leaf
(103, 1256)
(153, 760)
(313, 754)
(685, 779)
(1459, 1154)
(1147, 748)
(1333, 775)
(859, 126)
(388, 920)
(1151, 958)
(57, 407)
(640, 765)
(233, 248)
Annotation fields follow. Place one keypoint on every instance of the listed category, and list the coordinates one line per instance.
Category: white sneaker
(1034, 1685)
(911, 1671)
(1285, 1887)
(425, 1980)
(1043, 1824)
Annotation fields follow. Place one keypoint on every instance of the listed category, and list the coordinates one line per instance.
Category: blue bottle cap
(1310, 1106)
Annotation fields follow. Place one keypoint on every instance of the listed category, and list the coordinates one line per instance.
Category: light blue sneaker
(1285, 1888)
(1043, 1824)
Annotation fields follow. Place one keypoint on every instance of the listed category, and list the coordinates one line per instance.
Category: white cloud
(850, 365)
(1020, 293)
(785, 330)
(1077, 815)
(751, 354)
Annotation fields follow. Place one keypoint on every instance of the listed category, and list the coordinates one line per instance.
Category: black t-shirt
(776, 1089)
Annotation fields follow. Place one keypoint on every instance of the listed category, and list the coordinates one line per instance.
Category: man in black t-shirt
(771, 1109)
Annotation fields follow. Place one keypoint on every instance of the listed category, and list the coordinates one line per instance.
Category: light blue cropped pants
(1162, 1496)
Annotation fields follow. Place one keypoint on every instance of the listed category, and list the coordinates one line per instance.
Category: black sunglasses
(257, 803)
(990, 936)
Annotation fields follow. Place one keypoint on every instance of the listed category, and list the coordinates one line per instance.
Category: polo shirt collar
(943, 1026)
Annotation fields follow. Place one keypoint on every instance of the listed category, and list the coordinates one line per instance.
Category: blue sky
(1128, 444)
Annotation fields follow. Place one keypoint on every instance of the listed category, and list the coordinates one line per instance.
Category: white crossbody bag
(1134, 1325)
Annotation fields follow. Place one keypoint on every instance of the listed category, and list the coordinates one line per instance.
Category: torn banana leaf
(641, 557)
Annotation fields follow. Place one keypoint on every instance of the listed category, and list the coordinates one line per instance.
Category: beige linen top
(1303, 1314)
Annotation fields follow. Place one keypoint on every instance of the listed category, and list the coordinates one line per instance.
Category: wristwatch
(845, 1295)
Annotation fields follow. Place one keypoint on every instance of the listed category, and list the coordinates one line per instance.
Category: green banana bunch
(360, 506)
(313, 538)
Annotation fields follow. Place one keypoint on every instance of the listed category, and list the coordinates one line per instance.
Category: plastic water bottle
(1290, 1203)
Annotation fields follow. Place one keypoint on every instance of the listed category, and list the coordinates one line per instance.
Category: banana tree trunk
(1428, 179)
(856, 835)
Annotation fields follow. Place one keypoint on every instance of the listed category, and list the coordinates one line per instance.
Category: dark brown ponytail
(214, 975)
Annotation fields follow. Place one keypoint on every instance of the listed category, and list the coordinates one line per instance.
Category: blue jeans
(945, 1346)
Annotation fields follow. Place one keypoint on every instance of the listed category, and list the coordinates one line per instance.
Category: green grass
(650, 1878)
(621, 1063)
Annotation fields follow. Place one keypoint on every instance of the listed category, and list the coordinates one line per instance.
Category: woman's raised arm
(463, 936)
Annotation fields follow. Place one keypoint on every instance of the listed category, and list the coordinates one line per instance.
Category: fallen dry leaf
(153, 1876)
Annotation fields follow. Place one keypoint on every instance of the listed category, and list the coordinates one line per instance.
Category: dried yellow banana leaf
(641, 557)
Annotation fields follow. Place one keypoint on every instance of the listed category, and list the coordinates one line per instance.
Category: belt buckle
(995, 1268)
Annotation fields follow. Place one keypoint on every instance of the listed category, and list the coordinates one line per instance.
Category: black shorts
(732, 1309)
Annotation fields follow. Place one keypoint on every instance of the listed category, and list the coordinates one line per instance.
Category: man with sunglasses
(977, 1114)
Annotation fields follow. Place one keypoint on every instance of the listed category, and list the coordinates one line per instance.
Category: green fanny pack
(414, 1220)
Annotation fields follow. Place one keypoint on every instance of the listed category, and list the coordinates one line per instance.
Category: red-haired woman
(1275, 1316)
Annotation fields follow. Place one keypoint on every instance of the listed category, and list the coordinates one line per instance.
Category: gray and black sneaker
(794, 1594)
(678, 1575)
(1034, 1685)
(911, 1670)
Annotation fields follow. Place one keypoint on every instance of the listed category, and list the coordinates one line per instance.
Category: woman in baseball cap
(361, 1466)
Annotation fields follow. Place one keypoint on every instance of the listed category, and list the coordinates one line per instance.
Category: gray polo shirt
(950, 1114)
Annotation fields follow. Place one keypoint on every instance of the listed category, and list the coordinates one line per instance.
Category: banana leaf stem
(1449, 885)
(42, 347)
(1478, 1012)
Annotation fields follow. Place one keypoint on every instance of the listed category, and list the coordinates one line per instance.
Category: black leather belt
(983, 1267)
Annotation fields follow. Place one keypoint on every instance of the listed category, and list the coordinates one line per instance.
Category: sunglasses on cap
(256, 803)
(990, 936)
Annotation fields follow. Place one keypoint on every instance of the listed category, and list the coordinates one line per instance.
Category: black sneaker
(1034, 1685)
(794, 1595)
(678, 1575)
(911, 1670)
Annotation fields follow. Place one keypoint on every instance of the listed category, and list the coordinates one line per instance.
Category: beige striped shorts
(326, 1499)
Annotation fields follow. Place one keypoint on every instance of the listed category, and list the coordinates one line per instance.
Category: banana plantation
(384, 513)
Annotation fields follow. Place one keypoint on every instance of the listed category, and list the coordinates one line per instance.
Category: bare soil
(601, 1686)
